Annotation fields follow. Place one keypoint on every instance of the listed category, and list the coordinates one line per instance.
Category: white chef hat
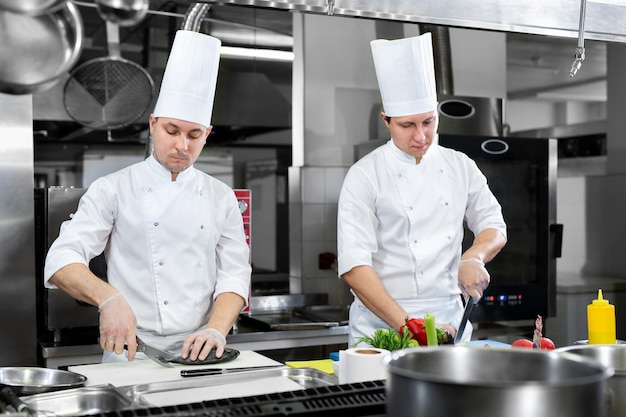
(406, 74)
(188, 86)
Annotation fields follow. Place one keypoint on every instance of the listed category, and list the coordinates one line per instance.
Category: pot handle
(10, 397)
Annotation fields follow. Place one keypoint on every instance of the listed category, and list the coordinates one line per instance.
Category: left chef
(177, 259)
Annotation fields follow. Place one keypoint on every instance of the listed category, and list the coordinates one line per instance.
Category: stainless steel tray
(304, 377)
(80, 401)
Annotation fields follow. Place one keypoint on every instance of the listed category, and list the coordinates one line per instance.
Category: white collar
(410, 159)
(164, 174)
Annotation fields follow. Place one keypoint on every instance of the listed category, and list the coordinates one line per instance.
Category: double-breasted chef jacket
(405, 220)
(171, 246)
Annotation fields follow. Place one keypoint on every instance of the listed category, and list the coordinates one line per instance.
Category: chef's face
(177, 143)
(413, 134)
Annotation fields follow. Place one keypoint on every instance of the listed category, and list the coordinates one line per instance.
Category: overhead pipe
(442, 55)
(194, 16)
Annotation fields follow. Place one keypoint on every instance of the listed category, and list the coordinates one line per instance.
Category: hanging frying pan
(110, 92)
(123, 12)
(37, 50)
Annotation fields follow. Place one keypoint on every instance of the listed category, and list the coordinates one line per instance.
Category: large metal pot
(613, 356)
(34, 380)
(479, 382)
(37, 50)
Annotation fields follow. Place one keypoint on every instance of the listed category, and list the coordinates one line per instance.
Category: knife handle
(10, 397)
(200, 372)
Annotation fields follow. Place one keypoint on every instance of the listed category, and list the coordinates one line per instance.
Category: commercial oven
(56, 310)
(522, 175)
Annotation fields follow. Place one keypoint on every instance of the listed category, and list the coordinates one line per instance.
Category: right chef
(402, 208)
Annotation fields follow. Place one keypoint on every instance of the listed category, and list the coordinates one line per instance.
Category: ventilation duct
(460, 114)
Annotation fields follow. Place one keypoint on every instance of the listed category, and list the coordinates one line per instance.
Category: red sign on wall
(244, 199)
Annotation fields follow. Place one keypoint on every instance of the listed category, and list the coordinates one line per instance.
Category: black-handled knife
(219, 371)
(471, 302)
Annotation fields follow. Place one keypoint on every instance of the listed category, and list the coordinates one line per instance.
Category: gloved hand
(199, 344)
(117, 326)
(473, 278)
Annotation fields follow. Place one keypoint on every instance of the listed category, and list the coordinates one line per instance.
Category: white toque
(405, 70)
(190, 78)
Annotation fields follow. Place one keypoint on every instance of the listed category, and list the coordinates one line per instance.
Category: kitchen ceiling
(537, 66)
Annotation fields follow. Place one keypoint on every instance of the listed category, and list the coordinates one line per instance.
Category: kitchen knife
(158, 356)
(466, 315)
(219, 371)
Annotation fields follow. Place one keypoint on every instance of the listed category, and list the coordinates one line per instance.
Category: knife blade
(219, 371)
(471, 302)
(157, 355)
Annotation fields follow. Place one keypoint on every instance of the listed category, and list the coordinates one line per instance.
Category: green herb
(389, 339)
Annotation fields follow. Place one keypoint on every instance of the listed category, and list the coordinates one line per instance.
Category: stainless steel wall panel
(18, 330)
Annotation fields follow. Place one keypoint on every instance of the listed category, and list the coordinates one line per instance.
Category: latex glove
(450, 329)
(199, 344)
(473, 278)
(117, 326)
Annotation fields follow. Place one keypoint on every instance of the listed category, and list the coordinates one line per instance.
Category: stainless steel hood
(605, 20)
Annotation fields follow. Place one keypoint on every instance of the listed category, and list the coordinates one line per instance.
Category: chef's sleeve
(233, 254)
(356, 222)
(483, 210)
(85, 235)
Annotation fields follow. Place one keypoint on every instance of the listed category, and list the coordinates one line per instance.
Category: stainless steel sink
(81, 401)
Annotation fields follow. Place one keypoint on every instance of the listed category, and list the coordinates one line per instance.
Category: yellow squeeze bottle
(601, 321)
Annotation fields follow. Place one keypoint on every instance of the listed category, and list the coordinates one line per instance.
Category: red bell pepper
(417, 327)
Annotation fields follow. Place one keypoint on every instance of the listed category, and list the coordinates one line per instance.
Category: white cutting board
(144, 371)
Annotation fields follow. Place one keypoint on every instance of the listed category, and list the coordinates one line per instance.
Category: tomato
(547, 344)
(523, 343)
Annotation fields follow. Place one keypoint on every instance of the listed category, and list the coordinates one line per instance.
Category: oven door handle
(556, 230)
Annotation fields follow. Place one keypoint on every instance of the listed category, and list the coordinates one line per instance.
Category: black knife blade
(466, 315)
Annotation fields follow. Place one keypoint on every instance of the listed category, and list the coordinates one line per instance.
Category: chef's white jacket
(405, 220)
(171, 246)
